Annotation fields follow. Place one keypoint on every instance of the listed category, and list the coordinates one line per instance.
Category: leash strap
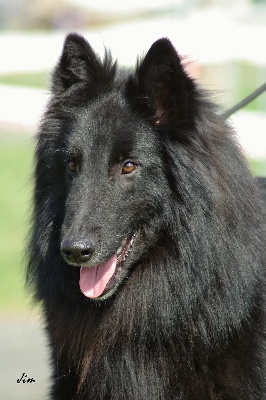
(244, 102)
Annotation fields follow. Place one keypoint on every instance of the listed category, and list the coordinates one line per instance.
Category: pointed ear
(80, 68)
(161, 87)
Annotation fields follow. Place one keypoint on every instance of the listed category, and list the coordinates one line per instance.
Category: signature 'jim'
(25, 379)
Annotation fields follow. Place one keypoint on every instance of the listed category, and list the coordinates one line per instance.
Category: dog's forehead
(99, 134)
(106, 112)
(108, 120)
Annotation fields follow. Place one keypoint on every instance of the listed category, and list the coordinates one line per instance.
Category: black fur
(186, 319)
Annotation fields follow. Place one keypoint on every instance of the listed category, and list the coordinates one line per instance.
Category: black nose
(77, 251)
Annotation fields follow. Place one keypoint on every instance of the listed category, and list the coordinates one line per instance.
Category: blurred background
(223, 42)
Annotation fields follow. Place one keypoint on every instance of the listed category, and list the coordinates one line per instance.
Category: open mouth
(100, 282)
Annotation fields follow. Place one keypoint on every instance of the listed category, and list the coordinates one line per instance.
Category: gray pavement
(23, 349)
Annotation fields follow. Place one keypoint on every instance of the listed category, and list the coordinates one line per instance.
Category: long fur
(188, 320)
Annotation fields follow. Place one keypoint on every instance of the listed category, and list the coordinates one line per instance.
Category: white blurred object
(208, 37)
(21, 107)
(251, 132)
(120, 6)
(24, 107)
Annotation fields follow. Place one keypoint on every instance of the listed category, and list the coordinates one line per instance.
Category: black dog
(148, 245)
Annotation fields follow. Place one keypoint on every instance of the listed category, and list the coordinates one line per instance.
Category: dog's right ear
(79, 68)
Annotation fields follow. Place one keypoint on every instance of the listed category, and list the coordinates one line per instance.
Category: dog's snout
(77, 251)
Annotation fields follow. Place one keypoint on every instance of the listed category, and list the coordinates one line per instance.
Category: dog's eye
(128, 167)
(72, 166)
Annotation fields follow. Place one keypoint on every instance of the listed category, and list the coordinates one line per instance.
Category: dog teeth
(126, 248)
(123, 244)
(120, 250)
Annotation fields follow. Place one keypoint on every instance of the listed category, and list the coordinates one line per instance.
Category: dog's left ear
(161, 87)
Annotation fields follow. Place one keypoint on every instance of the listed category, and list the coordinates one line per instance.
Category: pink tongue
(93, 280)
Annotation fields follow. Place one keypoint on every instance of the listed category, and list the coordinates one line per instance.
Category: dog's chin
(102, 281)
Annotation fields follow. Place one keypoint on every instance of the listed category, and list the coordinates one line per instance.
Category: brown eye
(72, 166)
(128, 167)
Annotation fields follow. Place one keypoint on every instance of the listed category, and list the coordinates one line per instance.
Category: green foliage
(247, 79)
(38, 80)
(258, 167)
(15, 165)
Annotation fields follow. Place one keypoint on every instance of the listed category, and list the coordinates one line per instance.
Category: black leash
(244, 102)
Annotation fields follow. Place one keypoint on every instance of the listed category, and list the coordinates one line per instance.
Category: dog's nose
(77, 251)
